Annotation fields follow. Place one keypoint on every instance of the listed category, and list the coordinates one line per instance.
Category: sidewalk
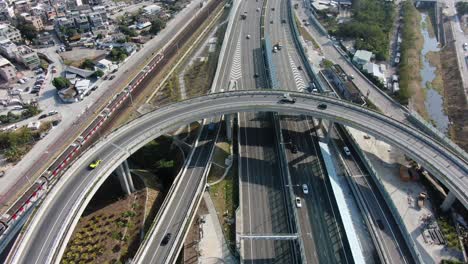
(213, 247)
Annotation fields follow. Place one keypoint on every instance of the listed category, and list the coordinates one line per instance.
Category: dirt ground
(455, 99)
(190, 252)
(78, 55)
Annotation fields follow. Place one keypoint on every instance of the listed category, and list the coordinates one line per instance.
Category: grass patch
(438, 83)
(411, 63)
(225, 196)
(449, 233)
(305, 34)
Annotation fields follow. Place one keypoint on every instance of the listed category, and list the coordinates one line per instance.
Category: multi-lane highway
(60, 207)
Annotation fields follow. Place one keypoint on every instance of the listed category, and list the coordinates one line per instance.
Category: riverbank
(411, 92)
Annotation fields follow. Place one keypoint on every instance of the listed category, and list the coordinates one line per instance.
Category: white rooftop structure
(82, 85)
(362, 57)
(152, 9)
(375, 70)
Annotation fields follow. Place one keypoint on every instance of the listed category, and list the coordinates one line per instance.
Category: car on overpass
(94, 164)
(287, 99)
(166, 239)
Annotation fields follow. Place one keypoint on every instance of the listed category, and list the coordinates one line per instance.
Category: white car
(305, 189)
(51, 113)
(248, 36)
(346, 151)
(298, 202)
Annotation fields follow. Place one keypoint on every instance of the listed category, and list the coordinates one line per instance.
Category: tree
(157, 25)
(98, 73)
(28, 31)
(87, 64)
(127, 31)
(61, 83)
(99, 36)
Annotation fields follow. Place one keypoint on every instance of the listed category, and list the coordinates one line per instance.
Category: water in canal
(434, 101)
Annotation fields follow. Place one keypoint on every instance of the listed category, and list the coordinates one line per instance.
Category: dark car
(322, 106)
(112, 77)
(256, 75)
(106, 77)
(166, 239)
(283, 21)
(294, 148)
(380, 224)
(42, 116)
(114, 71)
(299, 67)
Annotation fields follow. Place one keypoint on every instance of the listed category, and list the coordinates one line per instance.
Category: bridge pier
(329, 131)
(227, 119)
(125, 178)
(448, 202)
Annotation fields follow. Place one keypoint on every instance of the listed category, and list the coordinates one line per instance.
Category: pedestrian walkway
(213, 246)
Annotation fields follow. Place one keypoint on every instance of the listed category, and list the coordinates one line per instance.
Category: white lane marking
(300, 84)
(236, 69)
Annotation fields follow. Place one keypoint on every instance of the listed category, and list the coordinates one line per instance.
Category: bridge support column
(120, 172)
(128, 175)
(448, 202)
(329, 131)
(227, 119)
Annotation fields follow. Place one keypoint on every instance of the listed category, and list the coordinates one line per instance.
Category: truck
(421, 198)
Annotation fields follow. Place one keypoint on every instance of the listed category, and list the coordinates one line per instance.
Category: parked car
(305, 188)
(52, 112)
(112, 77)
(43, 116)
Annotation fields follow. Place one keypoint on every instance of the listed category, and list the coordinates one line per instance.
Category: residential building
(10, 32)
(22, 6)
(6, 11)
(361, 57)
(82, 23)
(8, 48)
(97, 21)
(7, 70)
(104, 65)
(27, 57)
(375, 70)
(152, 9)
(36, 22)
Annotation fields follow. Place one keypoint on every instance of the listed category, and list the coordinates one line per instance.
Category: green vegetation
(118, 54)
(61, 83)
(29, 111)
(157, 25)
(462, 8)
(449, 261)
(327, 64)
(225, 196)
(172, 89)
(17, 143)
(371, 26)
(410, 52)
(27, 30)
(450, 233)
(159, 158)
(128, 31)
(87, 64)
(98, 73)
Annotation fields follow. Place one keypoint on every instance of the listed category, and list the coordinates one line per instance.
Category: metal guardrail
(429, 129)
(375, 176)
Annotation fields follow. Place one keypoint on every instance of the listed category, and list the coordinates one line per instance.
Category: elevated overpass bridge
(51, 226)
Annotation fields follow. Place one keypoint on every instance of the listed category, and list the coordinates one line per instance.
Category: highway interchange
(47, 227)
(263, 192)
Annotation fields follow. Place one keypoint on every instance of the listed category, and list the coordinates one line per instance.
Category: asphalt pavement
(387, 231)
